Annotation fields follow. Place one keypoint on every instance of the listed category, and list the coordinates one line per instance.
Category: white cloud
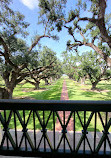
(31, 4)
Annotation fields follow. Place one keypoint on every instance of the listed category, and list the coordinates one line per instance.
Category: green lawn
(49, 92)
(46, 92)
(76, 91)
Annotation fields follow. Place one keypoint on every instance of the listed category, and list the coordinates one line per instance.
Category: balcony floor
(58, 135)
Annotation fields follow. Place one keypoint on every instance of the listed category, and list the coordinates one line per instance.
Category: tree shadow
(71, 92)
(105, 87)
(54, 93)
(89, 94)
(106, 96)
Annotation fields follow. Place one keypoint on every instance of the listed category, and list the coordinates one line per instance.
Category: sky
(30, 9)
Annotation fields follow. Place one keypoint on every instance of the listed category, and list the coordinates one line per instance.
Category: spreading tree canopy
(95, 24)
(43, 65)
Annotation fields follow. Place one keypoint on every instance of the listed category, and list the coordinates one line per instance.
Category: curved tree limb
(6, 53)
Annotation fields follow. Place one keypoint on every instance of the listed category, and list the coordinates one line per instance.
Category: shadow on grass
(105, 86)
(77, 95)
(54, 92)
(88, 94)
(106, 96)
(71, 93)
(50, 92)
(79, 92)
(46, 95)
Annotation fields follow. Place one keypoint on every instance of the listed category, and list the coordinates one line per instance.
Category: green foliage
(45, 63)
(51, 11)
(70, 31)
(18, 50)
(108, 74)
(13, 50)
(88, 64)
(108, 22)
(47, 57)
(72, 14)
(70, 64)
(76, 75)
(12, 22)
(42, 57)
(93, 66)
(59, 26)
(68, 43)
(106, 50)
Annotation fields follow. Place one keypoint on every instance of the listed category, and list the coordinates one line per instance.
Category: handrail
(66, 105)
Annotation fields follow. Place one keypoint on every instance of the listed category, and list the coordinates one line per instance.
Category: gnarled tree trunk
(37, 85)
(94, 84)
(4, 93)
(10, 93)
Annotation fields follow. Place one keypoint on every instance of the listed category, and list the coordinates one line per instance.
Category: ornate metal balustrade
(29, 128)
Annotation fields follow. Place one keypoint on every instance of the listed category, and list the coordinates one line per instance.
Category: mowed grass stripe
(77, 91)
(46, 92)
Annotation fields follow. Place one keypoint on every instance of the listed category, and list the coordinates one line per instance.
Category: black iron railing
(29, 128)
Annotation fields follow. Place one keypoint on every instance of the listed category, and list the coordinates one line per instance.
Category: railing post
(0, 134)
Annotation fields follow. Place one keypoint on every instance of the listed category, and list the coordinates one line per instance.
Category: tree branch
(93, 20)
(36, 41)
(4, 45)
(6, 53)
